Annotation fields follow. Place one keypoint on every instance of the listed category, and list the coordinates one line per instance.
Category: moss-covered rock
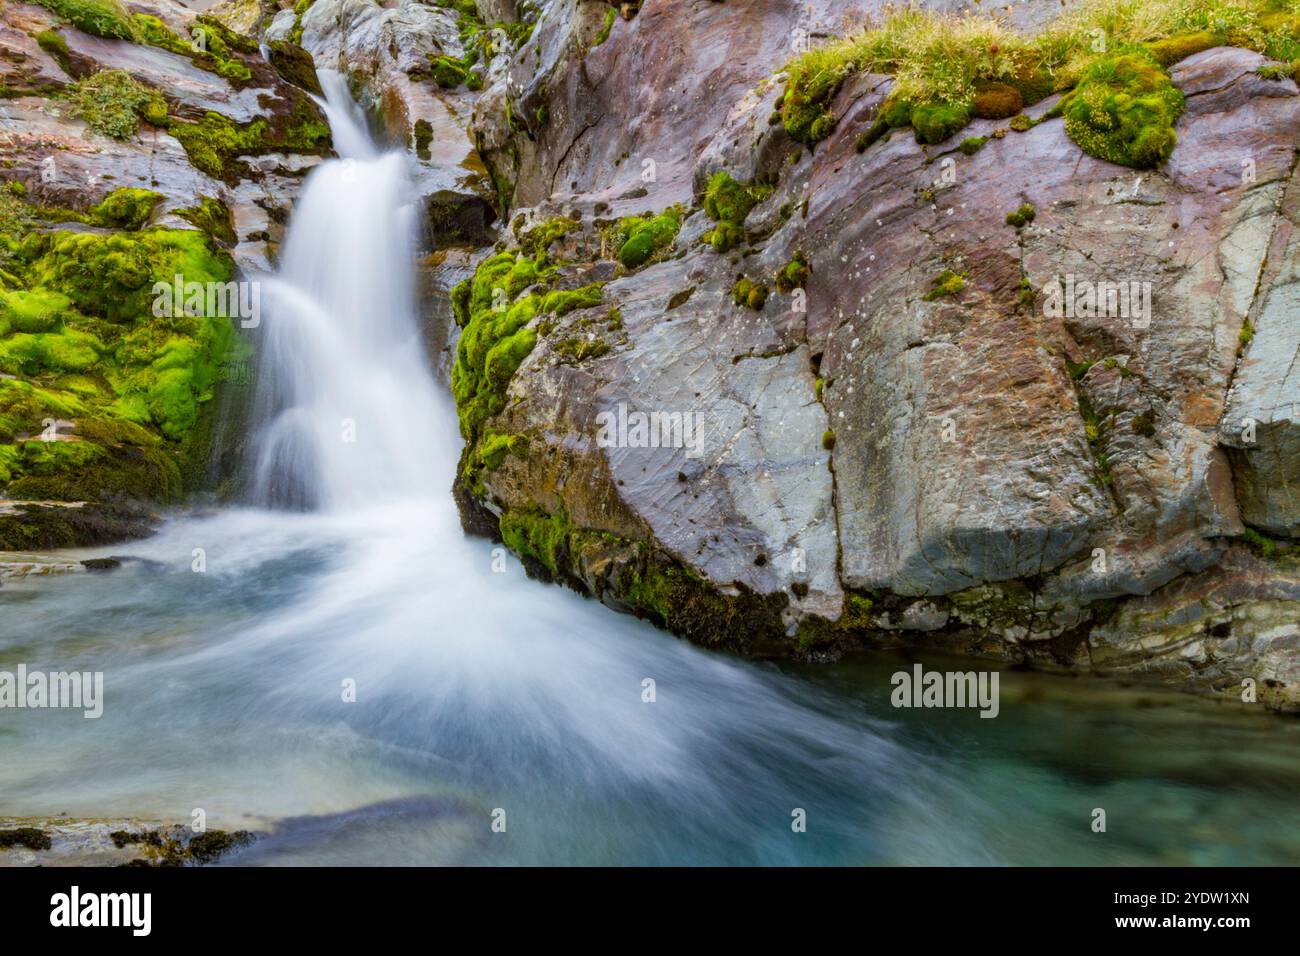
(1124, 110)
(113, 103)
(214, 142)
(101, 18)
(88, 347)
(640, 238)
(295, 65)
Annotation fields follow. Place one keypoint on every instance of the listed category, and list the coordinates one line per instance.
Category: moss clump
(167, 848)
(101, 18)
(213, 217)
(113, 103)
(972, 144)
(793, 275)
(805, 106)
(1022, 216)
(1022, 123)
(640, 238)
(935, 122)
(89, 348)
(211, 52)
(53, 43)
(946, 283)
(576, 349)
(29, 837)
(448, 72)
(608, 25)
(828, 440)
(1144, 424)
(750, 294)
(728, 202)
(995, 100)
(422, 132)
(295, 65)
(215, 142)
(1123, 111)
(1263, 546)
(126, 208)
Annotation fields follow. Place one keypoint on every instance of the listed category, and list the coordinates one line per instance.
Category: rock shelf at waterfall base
(965, 333)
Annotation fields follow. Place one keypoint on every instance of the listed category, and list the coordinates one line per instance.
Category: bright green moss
(610, 15)
(125, 208)
(793, 275)
(101, 18)
(935, 122)
(944, 284)
(1123, 111)
(640, 238)
(447, 71)
(577, 349)
(113, 103)
(215, 142)
(805, 106)
(728, 203)
(53, 43)
(36, 311)
(213, 217)
(972, 144)
(563, 301)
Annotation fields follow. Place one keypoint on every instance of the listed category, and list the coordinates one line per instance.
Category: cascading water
(351, 406)
(359, 683)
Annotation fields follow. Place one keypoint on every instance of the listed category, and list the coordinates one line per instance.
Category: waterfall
(347, 402)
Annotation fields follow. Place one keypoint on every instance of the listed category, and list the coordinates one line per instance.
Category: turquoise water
(480, 692)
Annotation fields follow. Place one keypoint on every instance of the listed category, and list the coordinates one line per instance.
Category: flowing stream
(228, 641)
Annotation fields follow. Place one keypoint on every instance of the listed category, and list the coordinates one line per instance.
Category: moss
(1263, 546)
(1123, 111)
(295, 65)
(972, 144)
(168, 849)
(101, 18)
(213, 217)
(935, 122)
(1170, 50)
(28, 837)
(793, 275)
(946, 283)
(1022, 123)
(608, 25)
(805, 105)
(53, 43)
(213, 52)
(994, 100)
(828, 440)
(541, 237)
(422, 132)
(1022, 216)
(748, 293)
(125, 208)
(563, 301)
(1144, 424)
(728, 203)
(448, 72)
(576, 349)
(113, 103)
(215, 142)
(641, 238)
(1273, 71)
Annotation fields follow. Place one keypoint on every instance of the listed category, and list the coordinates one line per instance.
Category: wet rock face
(998, 431)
